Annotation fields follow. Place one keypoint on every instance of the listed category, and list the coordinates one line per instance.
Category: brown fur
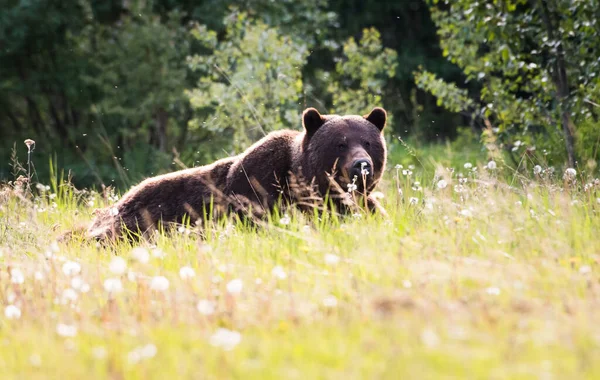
(253, 182)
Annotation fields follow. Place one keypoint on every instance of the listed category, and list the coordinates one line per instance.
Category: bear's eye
(342, 146)
(367, 144)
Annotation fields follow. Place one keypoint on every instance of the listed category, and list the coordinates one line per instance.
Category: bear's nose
(361, 168)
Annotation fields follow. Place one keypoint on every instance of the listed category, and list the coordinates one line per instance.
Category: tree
(536, 62)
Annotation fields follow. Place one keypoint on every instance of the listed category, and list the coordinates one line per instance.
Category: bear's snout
(361, 168)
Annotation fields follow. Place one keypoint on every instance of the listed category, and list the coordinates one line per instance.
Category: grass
(500, 280)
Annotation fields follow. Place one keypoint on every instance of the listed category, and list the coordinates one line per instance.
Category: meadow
(480, 270)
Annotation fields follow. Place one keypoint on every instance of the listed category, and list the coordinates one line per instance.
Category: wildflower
(12, 312)
(66, 330)
(537, 169)
(398, 167)
(279, 273)
(69, 295)
(331, 259)
(159, 283)
(114, 211)
(117, 266)
(430, 338)
(206, 307)
(468, 165)
(492, 165)
(364, 171)
(144, 352)
(407, 172)
(466, 213)
(330, 301)
(39, 276)
(71, 268)
(16, 276)
(413, 200)
(352, 187)
(158, 253)
(570, 174)
(186, 273)
(113, 285)
(140, 254)
(226, 339)
(30, 143)
(285, 220)
(494, 291)
(235, 286)
(442, 184)
(585, 269)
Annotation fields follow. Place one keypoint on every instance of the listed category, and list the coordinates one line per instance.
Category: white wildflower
(117, 266)
(537, 169)
(16, 276)
(140, 254)
(226, 339)
(113, 285)
(407, 284)
(330, 301)
(492, 165)
(12, 312)
(352, 187)
(585, 269)
(71, 268)
(413, 201)
(331, 259)
(235, 286)
(285, 220)
(69, 295)
(206, 307)
(468, 165)
(186, 273)
(570, 174)
(279, 273)
(442, 184)
(66, 330)
(494, 291)
(113, 211)
(159, 283)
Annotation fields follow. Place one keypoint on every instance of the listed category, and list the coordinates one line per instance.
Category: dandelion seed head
(491, 165)
(71, 268)
(159, 283)
(225, 339)
(206, 307)
(468, 165)
(235, 286)
(331, 259)
(285, 220)
(537, 169)
(65, 330)
(117, 266)
(16, 276)
(330, 301)
(113, 285)
(279, 273)
(12, 312)
(186, 273)
(442, 184)
(494, 291)
(570, 174)
(140, 254)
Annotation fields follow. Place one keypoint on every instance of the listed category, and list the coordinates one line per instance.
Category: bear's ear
(377, 117)
(312, 120)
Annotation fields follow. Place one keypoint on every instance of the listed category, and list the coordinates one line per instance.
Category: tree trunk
(162, 119)
(561, 82)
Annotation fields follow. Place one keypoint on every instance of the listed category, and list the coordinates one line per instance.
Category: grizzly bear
(334, 155)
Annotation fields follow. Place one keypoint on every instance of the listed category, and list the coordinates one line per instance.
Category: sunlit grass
(476, 277)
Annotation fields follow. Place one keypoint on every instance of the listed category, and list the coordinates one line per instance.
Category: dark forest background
(113, 91)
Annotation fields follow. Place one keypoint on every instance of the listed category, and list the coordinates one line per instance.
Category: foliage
(536, 68)
(250, 82)
(362, 74)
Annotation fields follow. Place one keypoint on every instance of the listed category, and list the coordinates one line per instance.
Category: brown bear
(334, 155)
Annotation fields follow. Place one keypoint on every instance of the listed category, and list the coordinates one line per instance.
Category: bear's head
(351, 148)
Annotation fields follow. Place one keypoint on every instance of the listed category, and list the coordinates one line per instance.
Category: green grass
(498, 281)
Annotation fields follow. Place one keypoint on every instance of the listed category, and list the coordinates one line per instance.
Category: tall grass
(471, 276)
